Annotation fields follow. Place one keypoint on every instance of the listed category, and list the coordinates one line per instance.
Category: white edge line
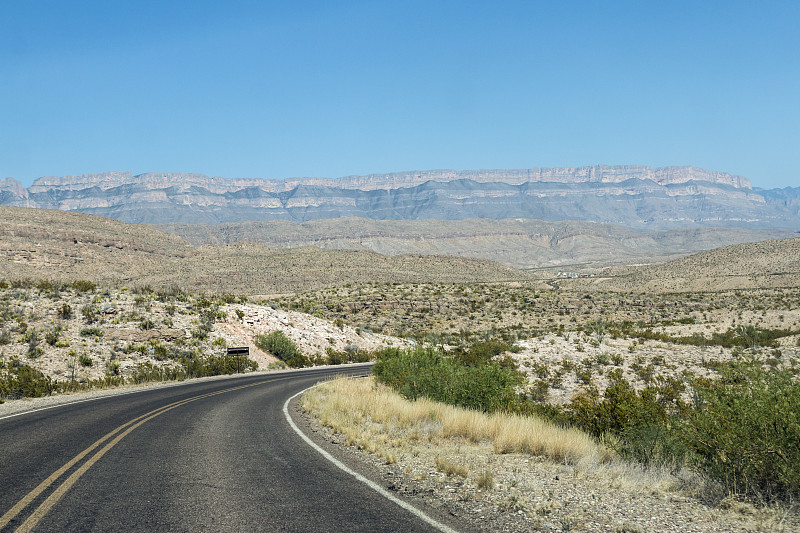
(374, 486)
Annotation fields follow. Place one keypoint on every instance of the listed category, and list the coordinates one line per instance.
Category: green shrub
(220, 342)
(34, 352)
(746, 429)
(196, 365)
(584, 375)
(638, 419)
(750, 337)
(361, 356)
(65, 311)
(85, 360)
(159, 351)
(112, 367)
(147, 372)
(83, 286)
(206, 325)
(425, 372)
(481, 352)
(31, 336)
(90, 313)
(91, 332)
(51, 336)
(18, 380)
(742, 431)
(334, 357)
(46, 285)
(299, 361)
(279, 345)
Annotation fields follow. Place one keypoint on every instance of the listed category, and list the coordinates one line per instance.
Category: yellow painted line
(11, 513)
(51, 500)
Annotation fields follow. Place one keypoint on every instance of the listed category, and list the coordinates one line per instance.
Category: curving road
(203, 456)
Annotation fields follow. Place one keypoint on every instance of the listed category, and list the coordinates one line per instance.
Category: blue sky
(283, 89)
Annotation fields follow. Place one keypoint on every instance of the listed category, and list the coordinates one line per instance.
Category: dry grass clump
(451, 468)
(485, 480)
(372, 416)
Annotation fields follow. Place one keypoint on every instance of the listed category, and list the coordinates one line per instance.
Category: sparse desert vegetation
(61, 337)
(684, 397)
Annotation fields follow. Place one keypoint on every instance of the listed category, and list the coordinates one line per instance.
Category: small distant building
(573, 275)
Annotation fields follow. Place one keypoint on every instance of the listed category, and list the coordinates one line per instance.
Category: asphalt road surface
(204, 456)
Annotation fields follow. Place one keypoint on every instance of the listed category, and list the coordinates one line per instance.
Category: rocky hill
(64, 246)
(520, 243)
(635, 196)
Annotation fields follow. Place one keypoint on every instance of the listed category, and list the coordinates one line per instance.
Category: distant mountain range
(634, 196)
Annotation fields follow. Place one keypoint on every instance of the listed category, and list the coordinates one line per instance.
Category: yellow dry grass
(375, 417)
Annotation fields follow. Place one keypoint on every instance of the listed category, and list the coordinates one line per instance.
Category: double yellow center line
(113, 438)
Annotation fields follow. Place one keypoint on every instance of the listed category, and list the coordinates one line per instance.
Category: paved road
(210, 456)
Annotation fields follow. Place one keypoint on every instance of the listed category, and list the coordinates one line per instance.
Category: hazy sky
(283, 89)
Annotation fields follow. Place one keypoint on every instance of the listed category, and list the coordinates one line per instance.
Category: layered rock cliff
(632, 195)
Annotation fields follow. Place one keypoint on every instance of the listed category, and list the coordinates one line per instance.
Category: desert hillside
(518, 243)
(65, 246)
(81, 333)
(766, 264)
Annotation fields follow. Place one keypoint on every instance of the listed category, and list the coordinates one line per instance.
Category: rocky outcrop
(636, 196)
(12, 192)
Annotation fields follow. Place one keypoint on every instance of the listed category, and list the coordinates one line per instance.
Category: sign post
(237, 352)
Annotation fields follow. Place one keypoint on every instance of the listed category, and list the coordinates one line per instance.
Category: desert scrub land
(456, 313)
(519, 473)
(704, 383)
(59, 337)
(568, 341)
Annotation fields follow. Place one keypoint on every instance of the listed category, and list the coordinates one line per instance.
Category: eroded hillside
(519, 243)
(64, 246)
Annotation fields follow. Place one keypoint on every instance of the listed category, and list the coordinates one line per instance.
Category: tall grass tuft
(345, 404)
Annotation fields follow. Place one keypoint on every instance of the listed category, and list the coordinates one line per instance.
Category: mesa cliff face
(631, 195)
